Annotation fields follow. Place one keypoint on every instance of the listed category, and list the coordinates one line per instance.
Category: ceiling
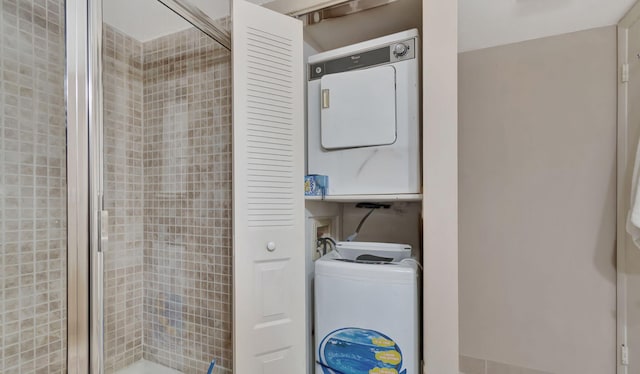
(482, 23)
(145, 20)
(488, 23)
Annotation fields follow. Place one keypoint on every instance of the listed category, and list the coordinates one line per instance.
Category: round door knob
(400, 50)
(271, 246)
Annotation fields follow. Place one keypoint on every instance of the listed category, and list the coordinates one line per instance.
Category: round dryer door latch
(400, 49)
(271, 246)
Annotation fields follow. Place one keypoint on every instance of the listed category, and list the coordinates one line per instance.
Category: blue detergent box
(316, 185)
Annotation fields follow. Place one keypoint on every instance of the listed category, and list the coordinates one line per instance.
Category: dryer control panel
(394, 52)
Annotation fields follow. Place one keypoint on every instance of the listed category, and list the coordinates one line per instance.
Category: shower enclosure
(162, 185)
(157, 293)
(166, 186)
(116, 168)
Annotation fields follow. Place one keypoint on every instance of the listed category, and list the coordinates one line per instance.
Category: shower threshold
(147, 367)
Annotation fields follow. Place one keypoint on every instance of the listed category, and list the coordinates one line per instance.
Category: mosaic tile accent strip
(32, 187)
(124, 190)
(187, 173)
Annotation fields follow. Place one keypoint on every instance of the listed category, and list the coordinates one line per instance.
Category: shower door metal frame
(77, 105)
(84, 185)
(98, 218)
(199, 20)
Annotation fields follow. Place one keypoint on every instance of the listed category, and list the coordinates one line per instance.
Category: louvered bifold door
(268, 166)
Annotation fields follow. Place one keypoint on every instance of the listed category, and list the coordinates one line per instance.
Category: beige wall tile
(123, 176)
(168, 177)
(187, 202)
(32, 188)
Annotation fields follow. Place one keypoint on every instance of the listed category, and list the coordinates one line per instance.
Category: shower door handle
(97, 290)
(103, 230)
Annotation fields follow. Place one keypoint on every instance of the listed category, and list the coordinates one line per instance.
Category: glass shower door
(167, 189)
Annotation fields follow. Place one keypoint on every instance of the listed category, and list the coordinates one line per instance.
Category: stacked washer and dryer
(363, 133)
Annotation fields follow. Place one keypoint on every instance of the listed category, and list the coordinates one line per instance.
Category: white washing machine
(366, 313)
(363, 116)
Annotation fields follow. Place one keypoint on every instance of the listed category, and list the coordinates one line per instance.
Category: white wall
(537, 203)
(440, 185)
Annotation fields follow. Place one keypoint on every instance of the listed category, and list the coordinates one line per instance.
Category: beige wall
(537, 153)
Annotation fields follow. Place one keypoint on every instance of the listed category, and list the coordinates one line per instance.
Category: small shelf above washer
(369, 198)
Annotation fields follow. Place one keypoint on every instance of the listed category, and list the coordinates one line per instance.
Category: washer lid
(333, 266)
(393, 252)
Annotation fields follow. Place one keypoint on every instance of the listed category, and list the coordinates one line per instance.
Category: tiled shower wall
(187, 174)
(123, 178)
(168, 190)
(32, 187)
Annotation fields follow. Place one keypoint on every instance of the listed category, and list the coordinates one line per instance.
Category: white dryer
(366, 313)
(363, 116)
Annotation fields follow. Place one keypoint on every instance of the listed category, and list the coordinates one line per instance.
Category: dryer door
(358, 108)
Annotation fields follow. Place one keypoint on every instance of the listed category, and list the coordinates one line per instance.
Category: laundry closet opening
(363, 228)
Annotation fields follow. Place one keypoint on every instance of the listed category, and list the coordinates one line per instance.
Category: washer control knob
(400, 50)
(271, 246)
